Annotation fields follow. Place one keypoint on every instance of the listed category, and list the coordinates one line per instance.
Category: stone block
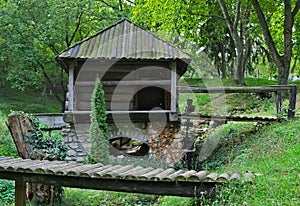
(81, 159)
(71, 153)
(73, 145)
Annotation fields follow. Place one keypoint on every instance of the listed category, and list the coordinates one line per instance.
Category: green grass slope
(273, 155)
(31, 101)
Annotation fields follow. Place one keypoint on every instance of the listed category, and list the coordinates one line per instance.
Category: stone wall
(167, 141)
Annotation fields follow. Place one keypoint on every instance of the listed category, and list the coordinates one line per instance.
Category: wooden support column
(173, 114)
(278, 97)
(292, 104)
(20, 193)
(71, 88)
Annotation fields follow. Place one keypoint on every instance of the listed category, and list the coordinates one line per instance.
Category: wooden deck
(129, 178)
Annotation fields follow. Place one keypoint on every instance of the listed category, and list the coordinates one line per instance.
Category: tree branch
(226, 15)
(238, 13)
(78, 23)
(50, 83)
(266, 32)
(107, 4)
(296, 9)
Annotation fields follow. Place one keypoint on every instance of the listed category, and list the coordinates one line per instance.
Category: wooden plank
(231, 118)
(17, 130)
(292, 104)
(122, 106)
(278, 99)
(173, 86)
(127, 83)
(71, 88)
(196, 89)
(174, 113)
(185, 189)
(124, 112)
(20, 193)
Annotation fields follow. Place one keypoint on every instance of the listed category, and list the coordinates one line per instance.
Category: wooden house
(138, 71)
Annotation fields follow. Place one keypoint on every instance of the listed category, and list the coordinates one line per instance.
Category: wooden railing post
(292, 104)
(20, 193)
(278, 101)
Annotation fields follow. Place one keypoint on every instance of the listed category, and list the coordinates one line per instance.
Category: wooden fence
(277, 89)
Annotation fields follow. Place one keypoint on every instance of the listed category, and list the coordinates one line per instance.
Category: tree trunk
(294, 66)
(223, 62)
(233, 29)
(282, 62)
(21, 126)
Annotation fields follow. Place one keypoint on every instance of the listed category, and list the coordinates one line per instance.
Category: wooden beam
(230, 118)
(20, 193)
(71, 88)
(278, 99)
(127, 83)
(196, 89)
(176, 188)
(173, 86)
(292, 104)
(174, 113)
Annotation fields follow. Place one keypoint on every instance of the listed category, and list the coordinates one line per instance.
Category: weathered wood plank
(187, 189)
(292, 104)
(17, 127)
(127, 83)
(231, 118)
(20, 193)
(196, 89)
(71, 87)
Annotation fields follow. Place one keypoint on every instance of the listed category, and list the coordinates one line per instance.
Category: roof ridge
(94, 35)
(155, 37)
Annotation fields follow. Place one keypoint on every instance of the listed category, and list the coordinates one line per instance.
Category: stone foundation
(167, 141)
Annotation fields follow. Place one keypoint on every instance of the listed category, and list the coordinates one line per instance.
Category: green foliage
(99, 129)
(54, 149)
(7, 192)
(272, 154)
(228, 137)
(93, 198)
(32, 33)
(7, 147)
(30, 101)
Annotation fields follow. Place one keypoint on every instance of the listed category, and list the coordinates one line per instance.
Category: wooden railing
(277, 89)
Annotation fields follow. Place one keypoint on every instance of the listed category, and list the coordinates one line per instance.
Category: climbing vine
(43, 145)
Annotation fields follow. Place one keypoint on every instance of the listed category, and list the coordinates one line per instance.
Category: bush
(99, 129)
(7, 192)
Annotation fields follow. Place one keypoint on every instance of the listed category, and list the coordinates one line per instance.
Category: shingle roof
(124, 39)
(128, 172)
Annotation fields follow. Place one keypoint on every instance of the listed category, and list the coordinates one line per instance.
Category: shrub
(7, 192)
(99, 129)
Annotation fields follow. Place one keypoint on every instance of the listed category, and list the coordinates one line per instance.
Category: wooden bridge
(127, 178)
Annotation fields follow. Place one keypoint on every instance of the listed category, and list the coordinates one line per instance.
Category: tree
(99, 136)
(238, 26)
(32, 33)
(281, 57)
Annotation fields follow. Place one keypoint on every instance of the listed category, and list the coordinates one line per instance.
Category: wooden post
(20, 193)
(173, 114)
(292, 104)
(71, 87)
(278, 102)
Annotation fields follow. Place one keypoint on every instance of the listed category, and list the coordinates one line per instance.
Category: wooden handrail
(277, 89)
